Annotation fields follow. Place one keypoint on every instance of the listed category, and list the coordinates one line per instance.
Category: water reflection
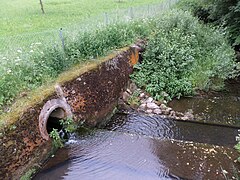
(137, 146)
(108, 155)
(219, 107)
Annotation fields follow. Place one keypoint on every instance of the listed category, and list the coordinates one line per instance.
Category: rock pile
(143, 102)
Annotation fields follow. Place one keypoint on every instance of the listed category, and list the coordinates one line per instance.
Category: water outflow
(140, 147)
(107, 155)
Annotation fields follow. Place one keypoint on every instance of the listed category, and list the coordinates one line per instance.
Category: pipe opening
(53, 121)
(52, 112)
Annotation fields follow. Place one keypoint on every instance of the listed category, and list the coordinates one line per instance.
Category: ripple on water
(157, 127)
(154, 126)
(109, 155)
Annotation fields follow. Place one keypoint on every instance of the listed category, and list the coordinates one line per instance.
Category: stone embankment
(141, 101)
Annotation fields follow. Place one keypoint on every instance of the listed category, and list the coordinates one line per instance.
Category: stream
(139, 146)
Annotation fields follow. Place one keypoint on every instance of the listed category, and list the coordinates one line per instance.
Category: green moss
(28, 175)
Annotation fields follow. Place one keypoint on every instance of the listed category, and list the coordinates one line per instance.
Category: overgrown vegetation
(60, 136)
(134, 100)
(28, 175)
(224, 13)
(57, 140)
(182, 56)
(28, 72)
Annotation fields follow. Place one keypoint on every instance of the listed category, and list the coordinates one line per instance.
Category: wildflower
(31, 51)
(9, 71)
(19, 51)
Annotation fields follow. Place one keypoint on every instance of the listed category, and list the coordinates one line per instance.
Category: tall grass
(28, 71)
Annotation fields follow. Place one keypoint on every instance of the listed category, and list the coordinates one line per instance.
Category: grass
(27, 68)
(38, 95)
(24, 16)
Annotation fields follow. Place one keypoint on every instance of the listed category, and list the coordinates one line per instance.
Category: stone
(149, 111)
(133, 87)
(129, 91)
(163, 106)
(152, 106)
(149, 100)
(142, 107)
(125, 96)
(168, 110)
(184, 118)
(179, 114)
(157, 111)
(142, 95)
(172, 114)
(142, 101)
(189, 115)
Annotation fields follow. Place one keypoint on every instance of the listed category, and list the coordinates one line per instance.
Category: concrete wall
(88, 97)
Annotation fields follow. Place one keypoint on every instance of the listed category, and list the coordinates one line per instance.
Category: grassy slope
(21, 16)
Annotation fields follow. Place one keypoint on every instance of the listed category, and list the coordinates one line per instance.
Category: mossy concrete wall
(91, 95)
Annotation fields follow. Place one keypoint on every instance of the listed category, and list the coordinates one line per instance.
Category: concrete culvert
(52, 112)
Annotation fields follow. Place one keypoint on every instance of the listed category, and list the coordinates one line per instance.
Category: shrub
(184, 55)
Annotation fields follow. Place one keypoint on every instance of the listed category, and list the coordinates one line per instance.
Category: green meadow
(23, 16)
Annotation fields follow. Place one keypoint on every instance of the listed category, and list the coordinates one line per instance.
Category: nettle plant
(183, 56)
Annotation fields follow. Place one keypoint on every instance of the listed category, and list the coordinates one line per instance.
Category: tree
(42, 6)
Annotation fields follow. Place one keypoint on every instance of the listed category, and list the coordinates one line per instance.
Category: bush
(182, 56)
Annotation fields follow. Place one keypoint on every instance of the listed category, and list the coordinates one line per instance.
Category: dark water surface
(140, 147)
(157, 127)
(217, 107)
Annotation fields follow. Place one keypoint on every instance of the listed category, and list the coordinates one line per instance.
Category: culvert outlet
(53, 111)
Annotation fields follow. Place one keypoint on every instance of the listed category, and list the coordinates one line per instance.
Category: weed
(134, 100)
(28, 175)
(69, 125)
(57, 141)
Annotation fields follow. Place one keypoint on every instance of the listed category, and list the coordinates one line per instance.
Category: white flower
(19, 51)
(31, 51)
(9, 71)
